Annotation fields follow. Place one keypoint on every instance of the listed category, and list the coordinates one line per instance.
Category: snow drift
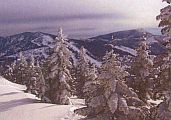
(17, 105)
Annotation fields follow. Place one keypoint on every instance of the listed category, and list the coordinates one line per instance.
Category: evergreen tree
(9, 72)
(32, 77)
(162, 74)
(20, 70)
(164, 18)
(81, 73)
(108, 96)
(140, 71)
(36, 81)
(59, 71)
(41, 85)
(46, 69)
(163, 110)
(90, 85)
(163, 87)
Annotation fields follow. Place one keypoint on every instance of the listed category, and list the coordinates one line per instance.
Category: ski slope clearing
(17, 105)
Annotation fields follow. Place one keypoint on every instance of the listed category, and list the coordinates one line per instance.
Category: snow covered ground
(71, 45)
(17, 105)
(127, 49)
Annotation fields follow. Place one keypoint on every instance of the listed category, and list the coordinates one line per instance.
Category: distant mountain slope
(131, 39)
(40, 44)
(125, 43)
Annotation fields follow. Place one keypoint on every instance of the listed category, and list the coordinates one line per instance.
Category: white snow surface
(127, 49)
(151, 40)
(88, 57)
(155, 102)
(36, 52)
(4, 82)
(44, 40)
(17, 105)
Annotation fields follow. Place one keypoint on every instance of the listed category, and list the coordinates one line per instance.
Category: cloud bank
(75, 16)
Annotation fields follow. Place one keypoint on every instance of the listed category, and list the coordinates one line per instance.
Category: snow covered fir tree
(9, 72)
(108, 97)
(32, 76)
(59, 76)
(36, 83)
(163, 87)
(82, 72)
(140, 70)
(20, 70)
(163, 110)
(41, 84)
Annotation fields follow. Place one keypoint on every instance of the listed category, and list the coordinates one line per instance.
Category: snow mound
(17, 105)
(3, 82)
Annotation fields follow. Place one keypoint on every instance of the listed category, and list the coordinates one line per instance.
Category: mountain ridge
(40, 44)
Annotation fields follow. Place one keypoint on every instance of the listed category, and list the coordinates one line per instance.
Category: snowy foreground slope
(17, 105)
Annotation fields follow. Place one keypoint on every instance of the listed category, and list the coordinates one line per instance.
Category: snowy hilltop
(17, 105)
(40, 44)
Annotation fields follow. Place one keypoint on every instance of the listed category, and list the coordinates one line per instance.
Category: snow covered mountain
(125, 43)
(40, 44)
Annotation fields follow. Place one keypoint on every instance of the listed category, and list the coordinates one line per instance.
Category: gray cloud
(47, 15)
(85, 16)
(22, 19)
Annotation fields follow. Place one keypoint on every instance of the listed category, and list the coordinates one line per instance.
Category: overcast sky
(77, 17)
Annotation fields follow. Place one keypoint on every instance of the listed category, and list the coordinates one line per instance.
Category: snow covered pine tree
(91, 86)
(41, 85)
(163, 110)
(9, 72)
(140, 71)
(108, 98)
(32, 77)
(59, 71)
(20, 70)
(81, 73)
